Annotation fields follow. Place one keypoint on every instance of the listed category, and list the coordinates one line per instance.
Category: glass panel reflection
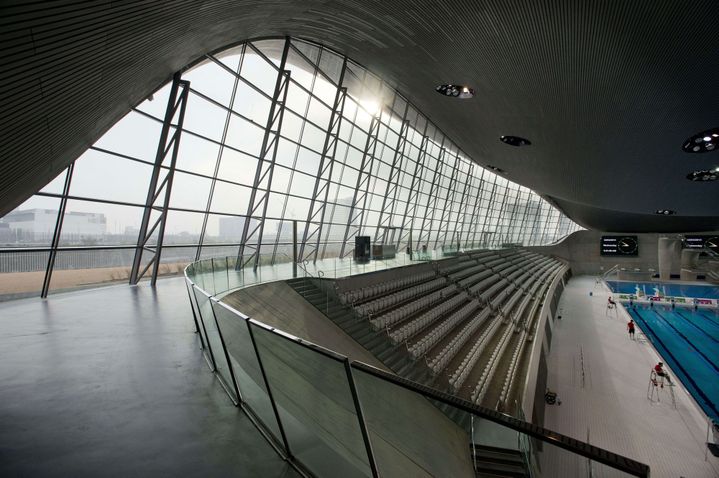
(315, 404)
(214, 341)
(245, 366)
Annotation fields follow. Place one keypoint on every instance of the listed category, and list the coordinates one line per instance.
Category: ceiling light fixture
(462, 92)
(702, 142)
(496, 169)
(515, 141)
(665, 212)
(704, 175)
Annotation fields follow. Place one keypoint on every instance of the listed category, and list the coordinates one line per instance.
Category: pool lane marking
(678, 366)
(690, 322)
(711, 362)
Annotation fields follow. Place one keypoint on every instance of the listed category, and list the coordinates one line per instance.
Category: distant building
(38, 224)
(231, 228)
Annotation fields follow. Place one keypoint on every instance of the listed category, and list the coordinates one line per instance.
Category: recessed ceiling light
(702, 142)
(515, 141)
(665, 212)
(703, 175)
(457, 91)
(496, 169)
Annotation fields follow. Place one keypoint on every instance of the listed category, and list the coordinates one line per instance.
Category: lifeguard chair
(657, 384)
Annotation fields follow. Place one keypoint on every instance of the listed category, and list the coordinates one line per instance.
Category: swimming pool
(689, 342)
(667, 289)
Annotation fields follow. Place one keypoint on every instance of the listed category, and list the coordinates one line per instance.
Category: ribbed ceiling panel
(606, 91)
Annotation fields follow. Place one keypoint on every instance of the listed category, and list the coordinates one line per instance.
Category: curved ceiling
(606, 91)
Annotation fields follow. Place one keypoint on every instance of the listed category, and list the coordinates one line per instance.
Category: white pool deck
(601, 377)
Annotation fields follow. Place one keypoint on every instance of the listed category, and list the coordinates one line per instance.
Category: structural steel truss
(260, 195)
(159, 191)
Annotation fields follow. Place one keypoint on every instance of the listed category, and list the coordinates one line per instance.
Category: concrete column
(668, 256)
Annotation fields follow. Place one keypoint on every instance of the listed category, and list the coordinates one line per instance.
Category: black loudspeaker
(362, 248)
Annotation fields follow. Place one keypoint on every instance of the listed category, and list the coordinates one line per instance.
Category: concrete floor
(110, 382)
(601, 377)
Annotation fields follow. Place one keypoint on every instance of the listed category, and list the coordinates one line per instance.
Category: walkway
(601, 377)
(111, 382)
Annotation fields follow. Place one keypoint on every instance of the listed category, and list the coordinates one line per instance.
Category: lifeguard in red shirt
(659, 369)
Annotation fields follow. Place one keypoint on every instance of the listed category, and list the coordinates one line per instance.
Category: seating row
(491, 366)
(367, 292)
(474, 278)
(470, 360)
(423, 345)
(440, 361)
(483, 284)
(397, 315)
(409, 329)
(455, 276)
(376, 305)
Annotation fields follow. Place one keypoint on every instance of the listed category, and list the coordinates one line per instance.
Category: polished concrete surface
(111, 382)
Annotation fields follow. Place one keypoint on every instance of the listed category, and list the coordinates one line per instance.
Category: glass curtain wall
(276, 131)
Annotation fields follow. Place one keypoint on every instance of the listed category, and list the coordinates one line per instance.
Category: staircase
(395, 357)
(492, 462)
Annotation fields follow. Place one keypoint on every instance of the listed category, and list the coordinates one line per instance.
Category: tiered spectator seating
(385, 302)
(421, 347)
(440, 361)
(413, 326)
(451, 310)
(368, 292)
(406, 310)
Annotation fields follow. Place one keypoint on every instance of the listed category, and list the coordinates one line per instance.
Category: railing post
(360, 419)
(227, 355)
(269, 390)
(294, 248)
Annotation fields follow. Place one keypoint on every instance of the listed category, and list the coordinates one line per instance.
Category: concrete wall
(581, 249)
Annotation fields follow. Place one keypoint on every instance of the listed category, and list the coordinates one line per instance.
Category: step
(501, 469)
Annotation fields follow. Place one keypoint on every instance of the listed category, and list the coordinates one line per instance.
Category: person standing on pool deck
(630, 327)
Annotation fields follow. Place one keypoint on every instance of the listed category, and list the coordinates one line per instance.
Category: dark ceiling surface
(607, 91)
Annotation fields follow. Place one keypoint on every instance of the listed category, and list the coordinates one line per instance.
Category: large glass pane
(90, 268)
(90, 223)
(31, 224)
(315, 404)
(135, 135)
(130, 178)
(213, 335)
(409, 435)
(245, 366)
(21, 273)
(219, 265)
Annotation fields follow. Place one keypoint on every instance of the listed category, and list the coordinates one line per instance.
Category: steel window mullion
(57, 232)
(363, 180)
(459, 230)
(411, 205)
(176, 101)
(274, 117)
(393, 180)
(448, 205)
(432, 197)
(323, 179)
(486, 216)
(220, 151)
(293, 169)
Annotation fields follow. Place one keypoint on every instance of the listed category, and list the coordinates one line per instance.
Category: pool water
(688, 341)
(667, 289)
